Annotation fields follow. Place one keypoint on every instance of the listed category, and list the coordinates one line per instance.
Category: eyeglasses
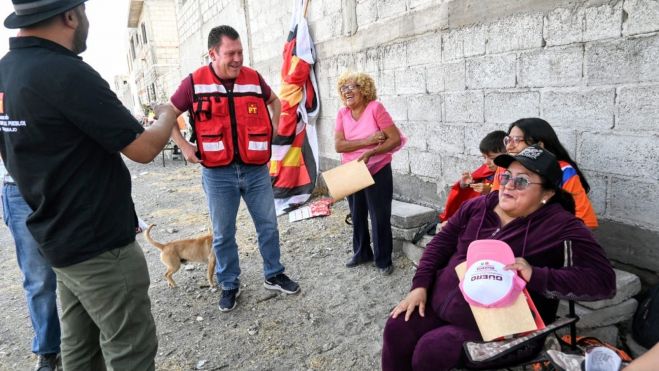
(512, 139)
(520, 183)
(349, 87)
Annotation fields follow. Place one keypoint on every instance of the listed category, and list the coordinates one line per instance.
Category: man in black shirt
(62, 133)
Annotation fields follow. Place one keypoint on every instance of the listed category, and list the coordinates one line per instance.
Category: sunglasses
(512, 139)
(519, 182)
(347, 88)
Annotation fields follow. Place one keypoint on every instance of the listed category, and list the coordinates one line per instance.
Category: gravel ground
(334, 323)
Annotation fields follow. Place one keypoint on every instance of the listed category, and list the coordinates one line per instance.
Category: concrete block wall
(451, 71)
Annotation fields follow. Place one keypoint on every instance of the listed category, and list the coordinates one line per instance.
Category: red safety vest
(230, 123)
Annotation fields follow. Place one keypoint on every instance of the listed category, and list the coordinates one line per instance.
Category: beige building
(153, 56)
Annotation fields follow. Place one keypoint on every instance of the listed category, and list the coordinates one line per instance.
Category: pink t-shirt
(374, 118)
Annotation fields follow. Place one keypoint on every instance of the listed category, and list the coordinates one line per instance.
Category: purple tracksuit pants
(423, 343)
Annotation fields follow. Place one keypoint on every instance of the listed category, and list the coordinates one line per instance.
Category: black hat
(29, 12)
(536, 159)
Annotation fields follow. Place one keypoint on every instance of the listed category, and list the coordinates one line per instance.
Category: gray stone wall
(451, 71)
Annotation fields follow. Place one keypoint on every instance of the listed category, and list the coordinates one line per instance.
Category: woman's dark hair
(561, 197)
(538, 130)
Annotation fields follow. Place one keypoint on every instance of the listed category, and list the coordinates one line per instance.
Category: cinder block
(602, 22)
(426, 164)
(579, 108)
(407, 215)
(425, 240)
(491, 71)
(367, 13)
(557, 66)
(508, 106)
(445, 138)
(394, 56)
(474, 133)
(454, 76)
(627, 155)
(453, 166)
(416, 133)
(627, 285)
(464, 107)
(515, 33)
(396, 106)
(622, 61)
(642, 16)
(386, 83)
(589, 318)
(423, 191)
(412, 252)
(598, 182)
(435, 78)
(426, 49)
(452, 45)
(404, 234)
(634, 201)
(390, 8)
(638, 108)
(411, 80)
(400, 163)
(634, 246)
(425, 108)
(473, 40)
(563, 26)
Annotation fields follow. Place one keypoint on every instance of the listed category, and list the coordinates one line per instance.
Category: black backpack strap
(192, 113)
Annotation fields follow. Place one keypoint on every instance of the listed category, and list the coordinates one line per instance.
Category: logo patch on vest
(252, 108)
(2, 103)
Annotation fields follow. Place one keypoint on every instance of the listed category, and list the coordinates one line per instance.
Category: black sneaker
(48, 362)
(228, 299)
(282, 283)
(387, 270)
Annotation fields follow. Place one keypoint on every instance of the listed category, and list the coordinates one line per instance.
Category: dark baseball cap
(537, 160)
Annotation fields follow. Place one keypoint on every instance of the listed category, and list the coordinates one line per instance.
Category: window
(132, 48)
(144, 39)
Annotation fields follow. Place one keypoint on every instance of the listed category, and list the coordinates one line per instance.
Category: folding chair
(523, 350)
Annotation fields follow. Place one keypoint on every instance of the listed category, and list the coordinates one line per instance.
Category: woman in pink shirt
(366, 132)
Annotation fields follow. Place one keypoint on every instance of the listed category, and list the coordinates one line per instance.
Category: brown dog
(173, 253)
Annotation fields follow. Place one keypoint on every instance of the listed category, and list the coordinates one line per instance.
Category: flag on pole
(294, 161)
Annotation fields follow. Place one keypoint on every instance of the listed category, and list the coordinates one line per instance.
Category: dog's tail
(147, 235)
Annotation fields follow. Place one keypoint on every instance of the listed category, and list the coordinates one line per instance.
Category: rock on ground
(335, 323)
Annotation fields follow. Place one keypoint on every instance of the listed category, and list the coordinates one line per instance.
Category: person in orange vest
(525, 132)
(228, 104)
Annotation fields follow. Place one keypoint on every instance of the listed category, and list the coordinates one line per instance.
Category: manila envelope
(497, 322)
(347, 179)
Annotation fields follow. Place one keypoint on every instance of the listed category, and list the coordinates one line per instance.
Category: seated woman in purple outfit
(533, 215)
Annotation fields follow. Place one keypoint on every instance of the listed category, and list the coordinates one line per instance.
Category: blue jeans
(224, 186)
(39, 281)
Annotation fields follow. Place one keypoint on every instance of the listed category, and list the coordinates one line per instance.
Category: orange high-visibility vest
(230, 124)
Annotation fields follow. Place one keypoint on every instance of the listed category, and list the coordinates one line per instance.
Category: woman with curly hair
(366, 132)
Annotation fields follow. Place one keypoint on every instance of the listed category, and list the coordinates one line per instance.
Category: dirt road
(335, 323)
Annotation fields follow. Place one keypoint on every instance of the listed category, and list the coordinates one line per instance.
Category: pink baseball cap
(486, 283)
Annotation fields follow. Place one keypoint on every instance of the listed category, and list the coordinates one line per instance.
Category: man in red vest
(228, 104)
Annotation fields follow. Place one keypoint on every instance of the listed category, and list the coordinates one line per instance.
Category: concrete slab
(627, 285)
(404, 234)
(413, 252)
(589, 318)
(406, 215)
